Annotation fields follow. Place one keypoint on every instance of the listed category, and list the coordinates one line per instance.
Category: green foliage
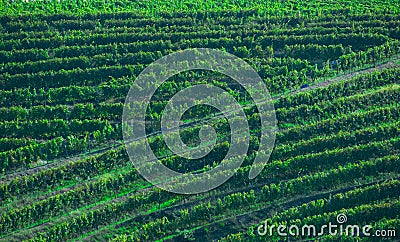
(66, 67)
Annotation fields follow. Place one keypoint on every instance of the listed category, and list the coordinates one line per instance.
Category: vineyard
(332, 69)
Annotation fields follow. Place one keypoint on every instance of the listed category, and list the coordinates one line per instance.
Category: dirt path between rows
(379, 67)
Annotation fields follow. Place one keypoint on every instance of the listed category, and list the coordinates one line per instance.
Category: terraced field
(332, 69)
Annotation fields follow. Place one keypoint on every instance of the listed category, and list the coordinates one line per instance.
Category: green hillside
(331, 67)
